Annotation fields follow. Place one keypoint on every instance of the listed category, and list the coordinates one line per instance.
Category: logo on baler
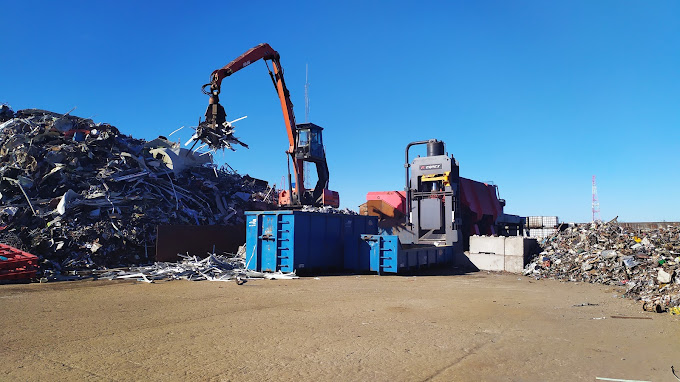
(431, 166)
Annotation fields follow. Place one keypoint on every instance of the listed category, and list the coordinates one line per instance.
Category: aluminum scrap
(329, 210)
(213, 268)
(645, 261)
(82, 195)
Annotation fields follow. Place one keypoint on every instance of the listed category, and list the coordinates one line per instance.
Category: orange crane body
(215, 116)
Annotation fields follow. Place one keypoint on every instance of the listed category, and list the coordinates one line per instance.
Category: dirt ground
(475, 327)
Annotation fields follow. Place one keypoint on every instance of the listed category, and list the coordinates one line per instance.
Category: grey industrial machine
(441, 211)
(432, 197)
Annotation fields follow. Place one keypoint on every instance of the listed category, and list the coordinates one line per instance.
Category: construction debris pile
(80, 194)
(646, 261)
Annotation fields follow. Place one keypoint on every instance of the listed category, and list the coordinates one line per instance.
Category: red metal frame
(19, 264)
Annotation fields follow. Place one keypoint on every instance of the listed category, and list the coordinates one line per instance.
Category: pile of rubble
(645, 261)
(80, 194)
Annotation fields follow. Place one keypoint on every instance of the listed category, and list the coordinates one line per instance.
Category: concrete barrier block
(514, 264)
(488, 261)
(514, 246)
(487, 244)
(520, 246)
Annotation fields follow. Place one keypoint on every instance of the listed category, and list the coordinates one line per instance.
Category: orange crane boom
(304, 141)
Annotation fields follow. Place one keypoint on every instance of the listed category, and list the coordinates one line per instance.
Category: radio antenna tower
(306, 93)
(596, 203)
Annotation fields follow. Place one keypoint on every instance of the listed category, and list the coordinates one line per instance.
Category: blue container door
(375, 242)
(285, 246)
(384, 254)
(252, 243)
(275, 242)
(356, 251)
(324, 242)
(268, 241)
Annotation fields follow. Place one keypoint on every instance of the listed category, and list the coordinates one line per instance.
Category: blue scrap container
(298, 240)
(386, 254)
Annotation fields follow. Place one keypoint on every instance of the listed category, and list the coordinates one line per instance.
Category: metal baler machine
(430, 223)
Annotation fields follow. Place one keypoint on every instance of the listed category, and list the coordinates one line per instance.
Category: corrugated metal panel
(197, 240)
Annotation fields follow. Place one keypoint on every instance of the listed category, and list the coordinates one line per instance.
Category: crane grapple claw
(215, 131)
(217, 137)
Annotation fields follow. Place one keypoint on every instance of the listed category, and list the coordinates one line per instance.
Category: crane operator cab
(309, 148)
(309, 143)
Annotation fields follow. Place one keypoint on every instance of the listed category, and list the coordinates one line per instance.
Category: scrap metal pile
(646, 261)
(215, 267)
(329, 210)
(80, 194)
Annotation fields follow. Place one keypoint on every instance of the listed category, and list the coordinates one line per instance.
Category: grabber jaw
(215, 115)
(214, 131)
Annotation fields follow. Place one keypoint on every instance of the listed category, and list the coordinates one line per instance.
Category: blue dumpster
(387, 255)
(298, 240)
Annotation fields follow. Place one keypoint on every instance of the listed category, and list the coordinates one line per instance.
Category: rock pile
(81, 194)
(645, 261)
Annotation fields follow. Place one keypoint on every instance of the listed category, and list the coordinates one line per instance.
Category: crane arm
(289, 118)
(262, 51)
(216, 116)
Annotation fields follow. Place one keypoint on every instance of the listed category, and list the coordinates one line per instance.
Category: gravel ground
(473, 327)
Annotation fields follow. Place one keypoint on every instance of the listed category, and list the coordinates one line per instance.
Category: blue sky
(535, 96)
